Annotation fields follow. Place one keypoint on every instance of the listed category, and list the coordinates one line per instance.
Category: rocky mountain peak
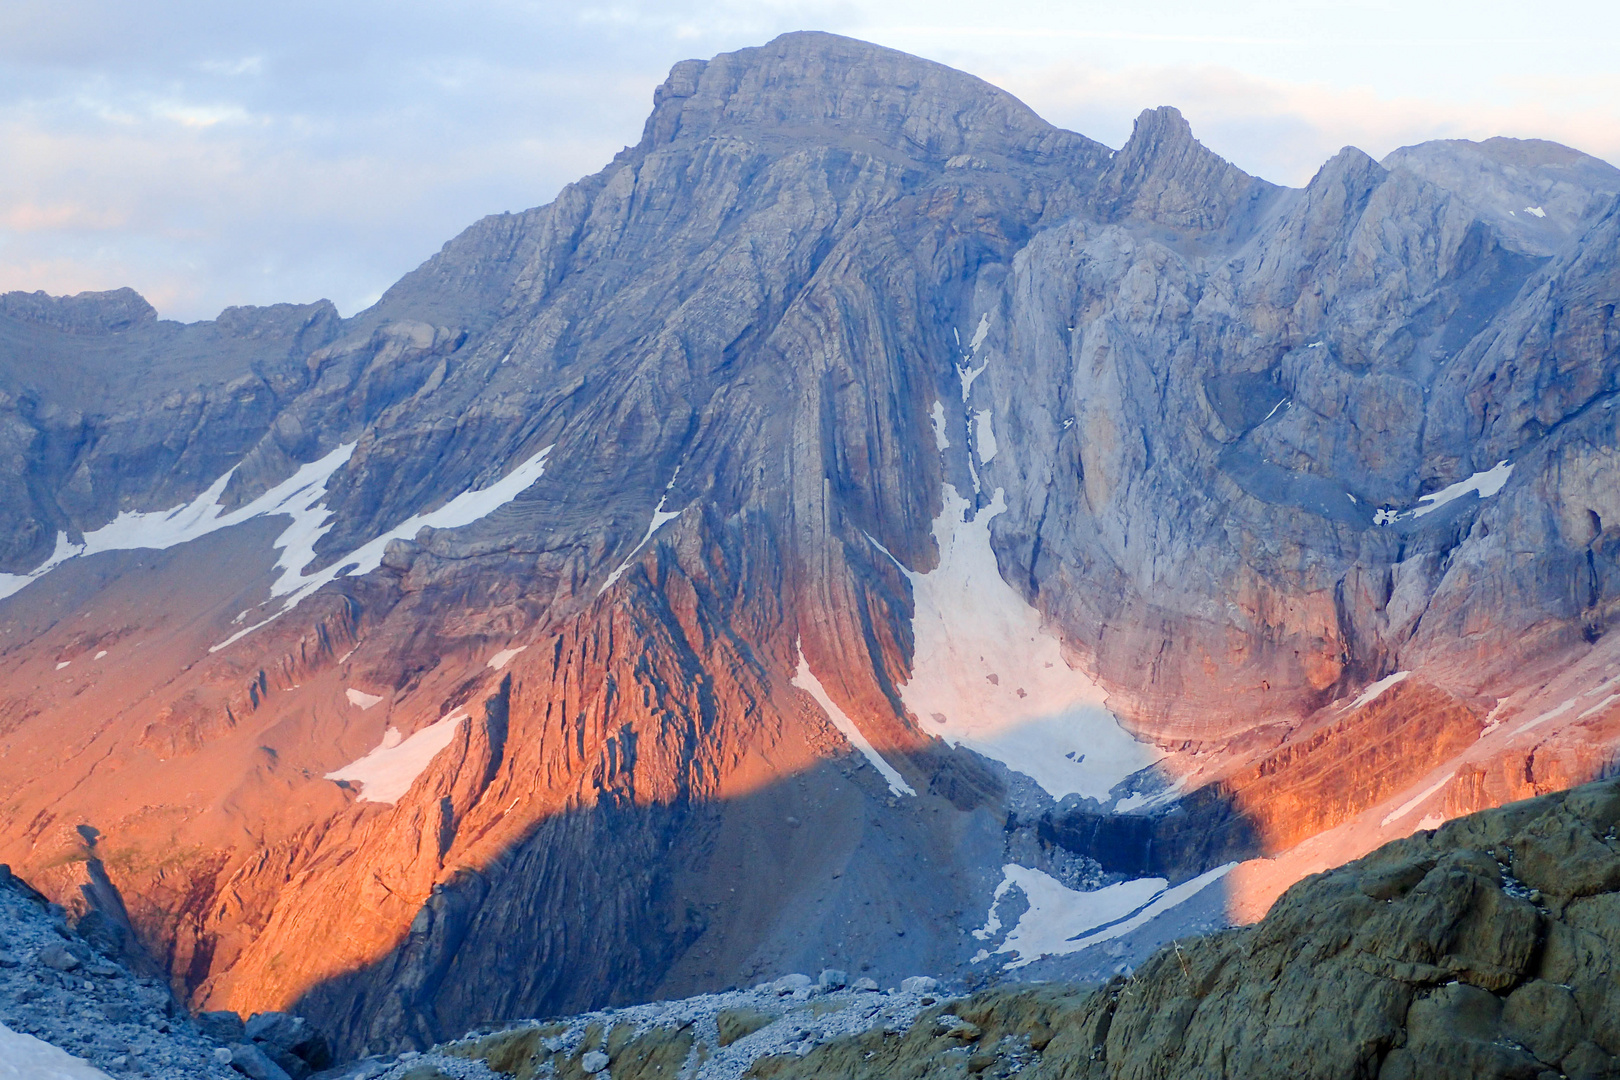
(86, 313)
(1166, 176)
(1535, 193)
(807, 81)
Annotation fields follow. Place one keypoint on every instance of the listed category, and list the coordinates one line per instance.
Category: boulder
(291, 1033)
(787, 984)
(57, 957)
(222, 1025)
(253, 1063)
(833, 979)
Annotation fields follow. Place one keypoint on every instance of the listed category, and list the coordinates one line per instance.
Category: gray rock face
(104, 408)
(829, 280)
(1535, 194)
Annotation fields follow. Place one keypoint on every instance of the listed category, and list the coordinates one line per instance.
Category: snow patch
(987, 675)
(23, 1057)
(362, 699)
(984, 436)
(1376, 690)
(660, 518)
(806, 680)
(162, 529)
(309, 513)
(1536, 210)
(1415, 801)
(937, 418)
(967, 375)
(504, 657)
(99, 655)
(980, 332)
(63, 664)
(1485, 484)
(388, 772)
(1061, 920)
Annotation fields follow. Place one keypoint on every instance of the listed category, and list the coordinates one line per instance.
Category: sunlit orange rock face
(1341, 764)
(337, 715)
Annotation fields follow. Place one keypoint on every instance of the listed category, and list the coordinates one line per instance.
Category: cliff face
(723, 568)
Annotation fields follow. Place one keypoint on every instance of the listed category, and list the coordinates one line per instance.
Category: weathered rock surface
(1224, 420)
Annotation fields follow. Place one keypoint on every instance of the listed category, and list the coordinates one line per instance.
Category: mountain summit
(862, 527)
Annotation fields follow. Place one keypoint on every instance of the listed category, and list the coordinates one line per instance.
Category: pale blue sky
(210, 154)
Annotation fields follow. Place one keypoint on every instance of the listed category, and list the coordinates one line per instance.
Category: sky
(213, 154)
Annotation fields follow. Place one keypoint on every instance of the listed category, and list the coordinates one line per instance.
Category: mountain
(863, 526)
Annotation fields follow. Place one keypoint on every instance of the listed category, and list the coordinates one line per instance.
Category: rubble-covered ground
(711, 1037)
(58, 987)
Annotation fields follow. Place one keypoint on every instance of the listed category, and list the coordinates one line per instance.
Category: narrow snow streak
(387, 773)
(310, 524)
(1551, 714)
(987, 675)
(806, 680)
(1415, 801)
(504, 657)
(1600, 706)
(660, 518)
(1376, 690)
